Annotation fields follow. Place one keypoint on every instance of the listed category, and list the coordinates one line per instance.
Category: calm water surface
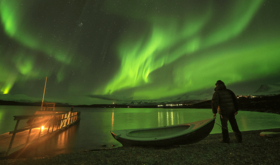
(93, 130)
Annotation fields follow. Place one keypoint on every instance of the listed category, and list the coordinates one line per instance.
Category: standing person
(225, 101)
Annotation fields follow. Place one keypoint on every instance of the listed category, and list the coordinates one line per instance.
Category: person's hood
(220, 87)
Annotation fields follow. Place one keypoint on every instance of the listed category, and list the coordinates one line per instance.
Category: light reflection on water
(165, 117)
(93, 130)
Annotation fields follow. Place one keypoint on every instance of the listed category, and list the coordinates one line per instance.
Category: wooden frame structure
(54, 122)
(48, 106)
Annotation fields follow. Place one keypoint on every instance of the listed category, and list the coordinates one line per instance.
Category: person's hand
(214, 115)
(221, 116)
(235, 113)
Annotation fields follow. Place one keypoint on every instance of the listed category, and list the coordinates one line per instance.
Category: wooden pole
(44, 94)
(29, 132)
(12, 140)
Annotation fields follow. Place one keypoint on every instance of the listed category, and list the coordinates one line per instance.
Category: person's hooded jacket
(225, 99)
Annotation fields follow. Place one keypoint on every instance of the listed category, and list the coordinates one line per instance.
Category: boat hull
(196, 132)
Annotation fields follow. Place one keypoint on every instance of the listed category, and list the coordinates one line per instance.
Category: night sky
(104, 51)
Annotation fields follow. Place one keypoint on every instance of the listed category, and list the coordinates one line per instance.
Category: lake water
(93, 130)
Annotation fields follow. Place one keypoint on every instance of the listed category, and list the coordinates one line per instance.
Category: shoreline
(254, 150)
(263, 110)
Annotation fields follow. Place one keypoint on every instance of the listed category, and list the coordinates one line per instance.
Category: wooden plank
(24, 129)
(35, 116)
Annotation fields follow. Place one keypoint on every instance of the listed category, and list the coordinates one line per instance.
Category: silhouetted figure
(225, 101)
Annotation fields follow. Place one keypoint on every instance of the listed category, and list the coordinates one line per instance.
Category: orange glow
(42, 127)
(113, 118)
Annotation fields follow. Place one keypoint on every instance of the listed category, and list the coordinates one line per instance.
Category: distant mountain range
(266, 89)
(189, 98)
(269, 89)
(26, 103)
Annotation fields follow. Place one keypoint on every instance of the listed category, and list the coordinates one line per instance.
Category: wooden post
(44, 94)
(61, 121)
(12, 140)
(29, 132)
(40, 131)
(68, 118)
(57, 124)
(49, 128)
(28, 136)
(52, 126)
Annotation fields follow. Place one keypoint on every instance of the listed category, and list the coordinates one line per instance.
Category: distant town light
(171, 105)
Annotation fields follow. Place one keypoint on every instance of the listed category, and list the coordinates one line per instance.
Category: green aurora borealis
(104, 51)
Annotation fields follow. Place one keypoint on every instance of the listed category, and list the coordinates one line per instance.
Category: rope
(221, 126)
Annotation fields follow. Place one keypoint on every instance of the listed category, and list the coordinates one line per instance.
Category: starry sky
(104, 51)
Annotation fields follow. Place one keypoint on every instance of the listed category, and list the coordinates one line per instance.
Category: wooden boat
(165, 136)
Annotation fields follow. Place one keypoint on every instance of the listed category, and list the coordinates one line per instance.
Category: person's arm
(215, 102)
(235, 102)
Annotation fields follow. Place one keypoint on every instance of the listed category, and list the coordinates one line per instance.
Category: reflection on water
(149, 118)
(7, 113)
(113, 117)
(65, 139)
(1, 115)
(93, 130)
(169, 117)
(243, 122)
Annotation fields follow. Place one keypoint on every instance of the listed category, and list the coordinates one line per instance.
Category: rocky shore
(255, 149)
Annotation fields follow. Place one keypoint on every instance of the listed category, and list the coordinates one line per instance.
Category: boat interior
(157, 132)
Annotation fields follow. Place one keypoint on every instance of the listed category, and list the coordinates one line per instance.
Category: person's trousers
(234, 126)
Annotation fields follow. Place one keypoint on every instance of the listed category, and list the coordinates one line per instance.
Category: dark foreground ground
(254, 150)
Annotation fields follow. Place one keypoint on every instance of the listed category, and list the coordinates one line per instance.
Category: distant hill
(268, 89)
(5, 102)
(263, 88)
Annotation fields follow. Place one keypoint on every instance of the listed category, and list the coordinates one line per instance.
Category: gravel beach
(255, 149)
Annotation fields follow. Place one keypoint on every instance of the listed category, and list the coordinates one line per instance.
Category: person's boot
(238, 137)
